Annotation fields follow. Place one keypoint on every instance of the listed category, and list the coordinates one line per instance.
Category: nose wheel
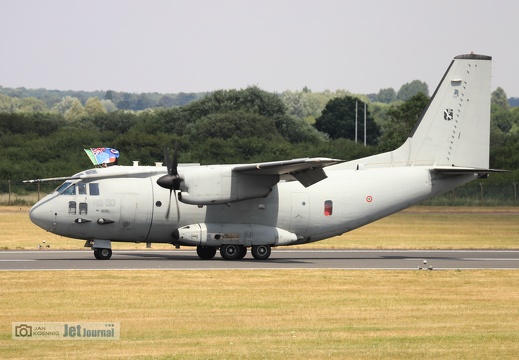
(102, 254)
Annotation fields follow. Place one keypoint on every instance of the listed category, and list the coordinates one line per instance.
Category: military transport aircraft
(264, 205)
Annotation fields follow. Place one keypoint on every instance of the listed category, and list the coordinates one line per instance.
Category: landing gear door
(300, 213)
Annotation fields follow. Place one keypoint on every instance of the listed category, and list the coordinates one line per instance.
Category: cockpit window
(94, 188)
(81, 187)
(63, 186)
(71, 190)
(67, 188)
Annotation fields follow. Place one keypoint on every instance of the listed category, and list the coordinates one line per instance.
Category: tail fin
(454, 130)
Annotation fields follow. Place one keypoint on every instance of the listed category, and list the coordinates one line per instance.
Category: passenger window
(83, 208)
(72, 208)
(81, 188)
(94, 188)
(328, 208)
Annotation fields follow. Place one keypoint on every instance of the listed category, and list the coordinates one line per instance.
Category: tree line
(226, 126)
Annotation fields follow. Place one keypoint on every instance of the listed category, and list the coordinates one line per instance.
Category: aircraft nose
(40, 214)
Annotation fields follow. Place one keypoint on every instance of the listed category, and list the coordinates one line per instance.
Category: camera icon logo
(23, 330)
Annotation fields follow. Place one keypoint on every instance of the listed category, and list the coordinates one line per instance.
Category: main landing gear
(234, 252)
(228, 252)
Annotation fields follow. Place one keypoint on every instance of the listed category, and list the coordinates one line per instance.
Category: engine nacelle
(212, 185)
(207, 234)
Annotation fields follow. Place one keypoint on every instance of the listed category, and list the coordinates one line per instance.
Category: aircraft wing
(307, 171)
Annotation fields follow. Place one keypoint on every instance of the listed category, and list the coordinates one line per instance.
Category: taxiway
(280, 259)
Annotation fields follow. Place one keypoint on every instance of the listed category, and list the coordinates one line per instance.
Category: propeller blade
(169, 204)
(178, 208)
(172, 180)
(174, 163)
(166, 159)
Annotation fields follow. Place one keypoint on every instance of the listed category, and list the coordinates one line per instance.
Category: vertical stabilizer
(455, 128)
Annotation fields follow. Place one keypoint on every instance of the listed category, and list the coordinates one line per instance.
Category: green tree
(338, 120)
(166, 101)
(499, 99)
(297, 130)
(234, 124)
(109, 105)
(76, 111)
(386, 95)
(251, 99)
(408, 90)
(6, 103)
(93, 107)
(65, 104)
(402, 119)
(501, 114)
(31, 105)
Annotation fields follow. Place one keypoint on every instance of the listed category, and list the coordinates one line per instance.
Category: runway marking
(16, 260)
(463, 259)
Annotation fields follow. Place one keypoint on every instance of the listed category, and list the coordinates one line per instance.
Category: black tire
(103, 254)
(243, 252)
(233, 252)
(261, 252)
(206, 252)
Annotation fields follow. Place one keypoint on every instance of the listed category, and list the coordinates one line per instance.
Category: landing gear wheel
(233, 252)
(243, 252)
(103, 254)
(206, 252)
(261, 252)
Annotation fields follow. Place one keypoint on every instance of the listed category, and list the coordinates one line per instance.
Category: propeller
(172, 180)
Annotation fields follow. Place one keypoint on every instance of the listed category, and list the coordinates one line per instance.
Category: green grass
(269, 314)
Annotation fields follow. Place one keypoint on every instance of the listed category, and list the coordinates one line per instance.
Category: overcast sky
(171, 46)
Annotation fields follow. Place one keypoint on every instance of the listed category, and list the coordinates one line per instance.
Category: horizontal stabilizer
(464, 170)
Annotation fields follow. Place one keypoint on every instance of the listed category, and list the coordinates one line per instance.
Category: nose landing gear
(102, 254)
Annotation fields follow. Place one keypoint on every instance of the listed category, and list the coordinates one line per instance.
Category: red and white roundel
(369, 198)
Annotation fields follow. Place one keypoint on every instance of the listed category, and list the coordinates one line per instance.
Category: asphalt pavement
(150, 259)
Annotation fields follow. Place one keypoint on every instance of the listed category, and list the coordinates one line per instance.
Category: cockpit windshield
(78, 188)
(63, 186)
(67, 188)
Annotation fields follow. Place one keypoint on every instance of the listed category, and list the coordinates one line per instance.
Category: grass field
(416, 228)
(280, 314)
(288, 314)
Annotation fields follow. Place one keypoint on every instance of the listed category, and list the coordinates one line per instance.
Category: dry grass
(437, 228)
(31, 198)
(270, 314)
(281, 314)
(416, 228)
